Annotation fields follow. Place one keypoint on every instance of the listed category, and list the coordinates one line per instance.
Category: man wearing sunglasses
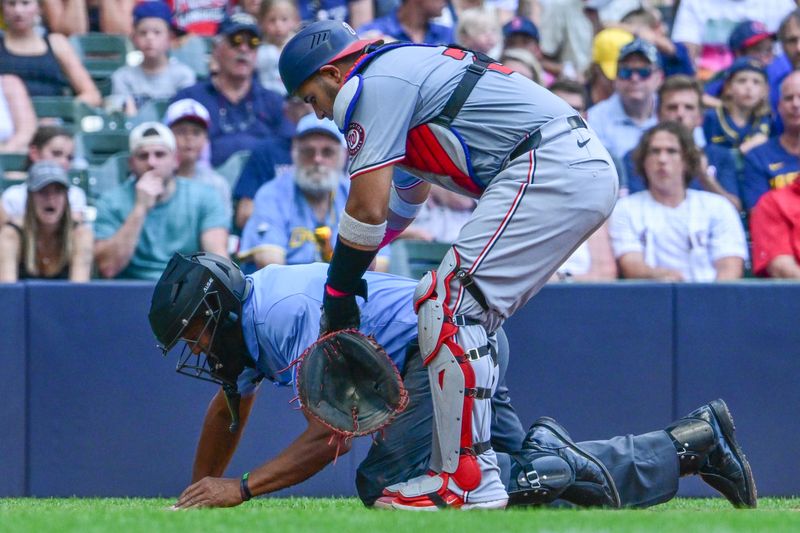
(631, 110)
(243, 113)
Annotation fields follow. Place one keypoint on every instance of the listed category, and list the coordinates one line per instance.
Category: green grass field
(119, 515)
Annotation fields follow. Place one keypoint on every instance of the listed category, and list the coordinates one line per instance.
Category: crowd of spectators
(698, 103)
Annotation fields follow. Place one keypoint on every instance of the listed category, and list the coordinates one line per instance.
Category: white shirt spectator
(704, 21)
(688, 238)
(6, 120)
(15, 197)
(566, 33)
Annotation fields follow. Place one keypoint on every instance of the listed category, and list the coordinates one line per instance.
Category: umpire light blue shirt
(282, 312)
(617, 131)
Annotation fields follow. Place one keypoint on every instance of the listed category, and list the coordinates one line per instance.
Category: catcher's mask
(198, 300)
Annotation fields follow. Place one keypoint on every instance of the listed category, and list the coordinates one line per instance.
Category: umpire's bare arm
(304, 457)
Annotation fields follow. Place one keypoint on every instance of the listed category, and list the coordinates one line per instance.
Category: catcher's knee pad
(538, 479)
(452, 378)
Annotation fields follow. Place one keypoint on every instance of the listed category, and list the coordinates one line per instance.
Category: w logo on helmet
(319, 38)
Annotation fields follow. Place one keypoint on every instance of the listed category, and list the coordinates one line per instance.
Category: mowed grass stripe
(344, 515)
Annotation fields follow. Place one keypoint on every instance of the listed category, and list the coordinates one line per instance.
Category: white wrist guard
(401, 207)
(357, 232)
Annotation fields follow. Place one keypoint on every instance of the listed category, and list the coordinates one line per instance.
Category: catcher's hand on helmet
(348, 382)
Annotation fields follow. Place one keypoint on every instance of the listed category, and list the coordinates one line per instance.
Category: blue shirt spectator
(242, 125)
(243, 113)
(295, 217)
(768, 166)
(356, 12)
(775, 164)
(391, 27)
(678, 63)
(411, 21)
(720, 129)
(284, 221)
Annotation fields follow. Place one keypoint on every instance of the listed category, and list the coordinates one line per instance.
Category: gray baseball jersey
(384, 111)
(533, 210)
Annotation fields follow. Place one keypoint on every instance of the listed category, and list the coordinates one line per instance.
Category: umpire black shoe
(593, 485)
(706, 444)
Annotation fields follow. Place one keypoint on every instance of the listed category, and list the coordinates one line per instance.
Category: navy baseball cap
(639, 46)
(748, 33)
(521, 25)
(745, 63)
(153, 9)
(238, 22)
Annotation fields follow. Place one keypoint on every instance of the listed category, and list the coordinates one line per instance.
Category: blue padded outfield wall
(89, 407)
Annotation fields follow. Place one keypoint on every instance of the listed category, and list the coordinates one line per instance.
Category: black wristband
(347, 267)
(244, 489)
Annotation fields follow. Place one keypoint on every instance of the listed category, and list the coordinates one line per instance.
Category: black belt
(534, 140)
(479, 393)
(477, 448)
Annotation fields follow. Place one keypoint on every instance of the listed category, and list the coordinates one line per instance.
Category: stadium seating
(12, 168)
(65, 111)
(194, 52)
(107, 175)
(413, 258)
(102, 54)
(151, 111)
(232, 167)
(96, 147)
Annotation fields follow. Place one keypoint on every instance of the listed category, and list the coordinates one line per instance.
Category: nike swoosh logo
(582, 144)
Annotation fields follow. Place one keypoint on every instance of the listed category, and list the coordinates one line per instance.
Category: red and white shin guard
(463, 468)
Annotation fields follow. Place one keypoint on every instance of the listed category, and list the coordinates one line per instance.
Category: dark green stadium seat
(102, 54)
(98, 146)
(13, 161)
(80, 178)
(412, 258)
(63, 110)
(108, 175)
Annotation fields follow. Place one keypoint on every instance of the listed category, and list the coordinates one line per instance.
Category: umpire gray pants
(644, 467)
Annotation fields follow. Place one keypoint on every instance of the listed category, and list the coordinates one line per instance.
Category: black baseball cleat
(593, 485)
(706, 444)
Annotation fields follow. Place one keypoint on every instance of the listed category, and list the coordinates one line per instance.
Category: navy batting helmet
(318, 44)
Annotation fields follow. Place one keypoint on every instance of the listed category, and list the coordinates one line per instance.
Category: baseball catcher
(459, 119)
(238, 331)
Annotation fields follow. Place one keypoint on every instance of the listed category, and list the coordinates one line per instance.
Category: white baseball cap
(187, 109)
(149, 133)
